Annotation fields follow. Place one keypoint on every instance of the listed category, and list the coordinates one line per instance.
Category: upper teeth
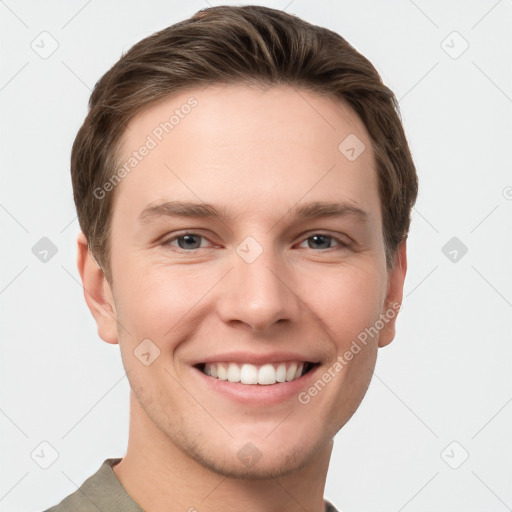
(252, 374)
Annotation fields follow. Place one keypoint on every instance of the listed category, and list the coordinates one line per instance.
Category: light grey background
(445, 378)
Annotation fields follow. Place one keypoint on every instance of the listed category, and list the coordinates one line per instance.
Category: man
(244, 186)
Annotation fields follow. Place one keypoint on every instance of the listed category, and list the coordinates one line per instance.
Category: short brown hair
(226, 45)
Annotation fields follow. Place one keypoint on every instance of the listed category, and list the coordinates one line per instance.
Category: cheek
(155, 299)
(158, 300)
(348, 301)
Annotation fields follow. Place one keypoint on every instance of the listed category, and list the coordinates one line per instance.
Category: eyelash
(342, 243)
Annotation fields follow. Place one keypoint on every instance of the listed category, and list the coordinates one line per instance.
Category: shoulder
(329, 507)
(98, 490)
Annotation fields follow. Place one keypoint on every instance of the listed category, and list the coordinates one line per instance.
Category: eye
(186, 241)
(189, 242)
(324, 241)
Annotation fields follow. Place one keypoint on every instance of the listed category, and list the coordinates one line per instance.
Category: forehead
(239, 145)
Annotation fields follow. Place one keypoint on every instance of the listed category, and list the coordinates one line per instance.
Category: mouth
(257, 375)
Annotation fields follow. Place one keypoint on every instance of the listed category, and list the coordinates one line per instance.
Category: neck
(160, 477)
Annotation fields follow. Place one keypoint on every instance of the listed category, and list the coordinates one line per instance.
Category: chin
(252, 463)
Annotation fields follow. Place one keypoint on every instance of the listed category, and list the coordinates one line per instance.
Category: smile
(265, 374)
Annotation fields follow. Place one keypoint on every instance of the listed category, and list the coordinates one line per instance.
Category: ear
(395, 290)
(97, 292)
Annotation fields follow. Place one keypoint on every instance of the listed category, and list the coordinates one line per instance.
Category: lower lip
(258, 394)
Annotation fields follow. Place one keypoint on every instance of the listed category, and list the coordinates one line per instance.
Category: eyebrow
(304, 211)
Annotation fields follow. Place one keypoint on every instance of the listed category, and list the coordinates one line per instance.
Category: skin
(258, 152)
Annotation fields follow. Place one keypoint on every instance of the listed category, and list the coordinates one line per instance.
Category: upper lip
(256, 359)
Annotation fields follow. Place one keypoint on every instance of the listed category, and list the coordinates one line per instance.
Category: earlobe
(97, 292)
(396, 278)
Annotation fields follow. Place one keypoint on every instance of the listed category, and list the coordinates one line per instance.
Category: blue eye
(190, 242)
(186, 241)
(323, 240)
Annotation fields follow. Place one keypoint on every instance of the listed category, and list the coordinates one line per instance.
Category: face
(278, 269)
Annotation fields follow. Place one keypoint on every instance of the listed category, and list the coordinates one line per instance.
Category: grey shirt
(103, 492)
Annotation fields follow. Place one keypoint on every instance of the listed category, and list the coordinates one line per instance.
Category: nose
(258, 294)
